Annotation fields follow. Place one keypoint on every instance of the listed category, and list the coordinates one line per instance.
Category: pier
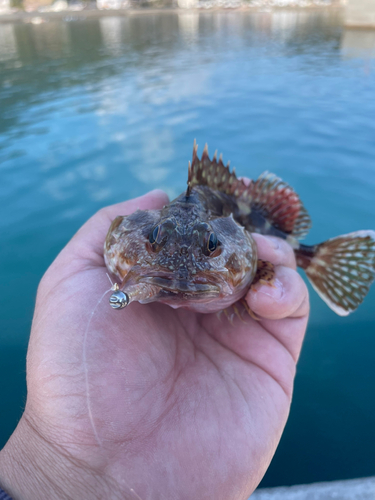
(360, 13)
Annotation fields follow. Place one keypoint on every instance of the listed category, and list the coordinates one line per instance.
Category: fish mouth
(176, 285)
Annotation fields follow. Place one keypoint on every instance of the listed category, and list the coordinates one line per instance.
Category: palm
(164, 400)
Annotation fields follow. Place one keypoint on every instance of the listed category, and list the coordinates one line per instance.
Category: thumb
(85, 249)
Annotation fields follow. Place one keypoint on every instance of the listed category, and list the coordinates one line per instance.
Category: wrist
(32, 468)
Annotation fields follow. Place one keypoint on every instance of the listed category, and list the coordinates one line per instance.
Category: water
(97, 111)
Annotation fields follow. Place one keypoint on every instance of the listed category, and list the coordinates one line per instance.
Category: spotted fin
(213, 173)
(279, 204)
(342, 269)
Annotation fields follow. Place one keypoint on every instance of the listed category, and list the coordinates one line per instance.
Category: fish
(198, 251)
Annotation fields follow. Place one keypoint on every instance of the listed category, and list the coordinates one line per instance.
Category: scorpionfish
(198, 252)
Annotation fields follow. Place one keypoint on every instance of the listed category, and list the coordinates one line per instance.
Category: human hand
(150, 402)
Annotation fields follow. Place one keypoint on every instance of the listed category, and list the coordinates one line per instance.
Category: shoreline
(39, 16)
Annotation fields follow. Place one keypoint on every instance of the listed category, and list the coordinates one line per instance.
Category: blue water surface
(97, 111)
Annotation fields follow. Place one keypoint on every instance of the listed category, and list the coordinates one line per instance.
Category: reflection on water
(96, 111)
(8, 47)
(188, 24)
(111, 29)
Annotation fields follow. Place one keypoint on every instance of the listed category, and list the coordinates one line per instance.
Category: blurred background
(95, 109)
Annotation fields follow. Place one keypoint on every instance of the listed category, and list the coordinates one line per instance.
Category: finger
(87, 243)
(275, 250)
(288, 297)
(149, 201)
(96, 228)
(289, 332)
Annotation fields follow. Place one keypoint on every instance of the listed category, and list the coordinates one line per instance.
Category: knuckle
(284, 247)
(275, 250)
(284, 253)
(287, 254)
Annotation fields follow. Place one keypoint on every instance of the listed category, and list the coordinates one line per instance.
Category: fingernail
(276, 292)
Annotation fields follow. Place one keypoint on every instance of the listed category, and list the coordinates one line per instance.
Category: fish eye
(154, 235)
(212, 242)
(160, 233)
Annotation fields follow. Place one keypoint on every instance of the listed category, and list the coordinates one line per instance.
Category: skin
(150, 402)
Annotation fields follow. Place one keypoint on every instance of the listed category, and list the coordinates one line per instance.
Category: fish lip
(192, 287)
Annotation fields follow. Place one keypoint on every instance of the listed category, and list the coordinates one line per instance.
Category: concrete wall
(360, 13)
(356, 489)
(358, 43)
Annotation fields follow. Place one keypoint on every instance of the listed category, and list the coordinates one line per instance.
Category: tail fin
(341, 269)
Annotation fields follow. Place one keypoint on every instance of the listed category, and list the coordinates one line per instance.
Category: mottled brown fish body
(189, 252)
(197, 252)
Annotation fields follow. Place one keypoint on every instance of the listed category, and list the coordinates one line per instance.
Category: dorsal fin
(279, 204)
(270, 195)
(213, 173)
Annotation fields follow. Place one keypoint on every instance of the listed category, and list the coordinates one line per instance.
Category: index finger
(275, 250)
(288, 296)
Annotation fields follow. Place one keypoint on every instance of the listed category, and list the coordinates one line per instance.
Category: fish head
(182, 260)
